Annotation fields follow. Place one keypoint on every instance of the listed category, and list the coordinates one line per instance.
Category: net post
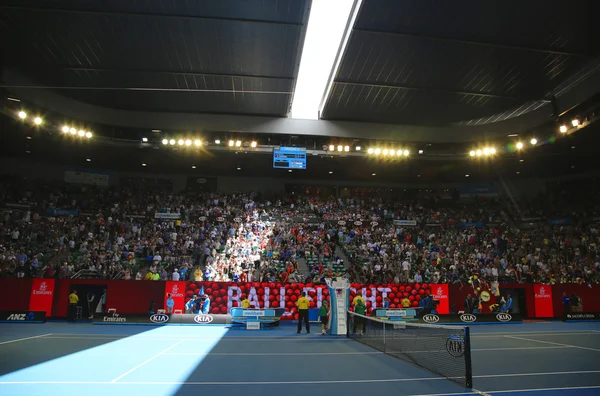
(468, 366)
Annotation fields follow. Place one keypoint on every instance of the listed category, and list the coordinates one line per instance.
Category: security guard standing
(302, 305)
(73, 300)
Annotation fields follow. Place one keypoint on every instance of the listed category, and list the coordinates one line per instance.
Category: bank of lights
(486, 152)
(76, 132)
(388, 152)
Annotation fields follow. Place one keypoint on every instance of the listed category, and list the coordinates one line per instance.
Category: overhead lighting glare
(575, 122)
(331, 172)
(165, 141)
(478, 153)
(392, 152)
(346, 148)
(193, 166)
(197, 143)
(145, 139)
(72, 131)
(81, 133)
(472, 153)
(358, 148)
(377, 151)
(513, 135)
(329, 26)
(156, 130)
(563, 129)
(37, 121)
(533, 141)
(331, 147)
(406, 152)
(420, 151)
(385, 151)
(519, 145)
(88, 159)
(253, 144)
(181, 142)
(143, 164)
(13, 99)
(172, 142)
(493, 151)
(486, 151)
(340, 148)
(231, 143)
(65, 129)
(370, 151)
(188, 142)
(238, 143)
(22, 115)
(217, 141)
(88, 135)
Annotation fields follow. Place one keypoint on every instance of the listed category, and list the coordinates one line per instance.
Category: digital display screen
(289, 158)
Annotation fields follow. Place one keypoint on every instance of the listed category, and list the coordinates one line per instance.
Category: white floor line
(170, 338)
(147, 361)
(554, 343)
(272, 353)
(538, 333)
(26, 338)
(246, 383)
(478, 392)
(510, 391)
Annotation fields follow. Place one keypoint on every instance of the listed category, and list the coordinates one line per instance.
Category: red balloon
(191, 286)
(368, 293)
(405, 294)
(421, 292)
(189, 293)
(392, 306)
(325, 292)
(390, 295)
(312, 293)
(396, 301)
(261, 303)
(300, 285)
(196, 291)
(413, 292)
(378, 299)
(208, 291)
(425, 286)
(218, 300)
(371, 286)
(215, 293)
(289, 292)
(261, 292)
(368, 304)
(274, 291)
(417, 286)
(294, 310)
(411, 298)
(271, 285)
(408, 288)
(215, 285)
(289, 304)
(297, 292)
(271, 298)
(223, 310)
(224, 299)
(294, 298)
(401, 288)
(309, 285)
(394, 289)
(295, 316)
(312, 304)
(264, 284)
(418, 297)
(235, 304)
(275, 304)
(415, 304)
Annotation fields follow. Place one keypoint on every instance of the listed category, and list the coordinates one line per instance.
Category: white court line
(543, 333)
(554, 343)
(170, 338)
(26, 338)
(510, 391)
(290, 382)
(147, 361)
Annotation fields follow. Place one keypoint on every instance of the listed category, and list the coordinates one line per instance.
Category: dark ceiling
(407, 62)
(230, 56)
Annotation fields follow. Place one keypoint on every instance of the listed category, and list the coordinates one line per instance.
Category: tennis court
(59, 358)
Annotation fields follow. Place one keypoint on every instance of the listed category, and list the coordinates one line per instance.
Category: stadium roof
(411, 70)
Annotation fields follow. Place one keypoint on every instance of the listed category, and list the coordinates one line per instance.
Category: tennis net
(443, 350)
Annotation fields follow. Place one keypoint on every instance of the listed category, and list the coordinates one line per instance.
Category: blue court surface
(82, 359)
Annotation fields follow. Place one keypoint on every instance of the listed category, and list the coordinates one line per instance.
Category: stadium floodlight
(392, 152)
(165, 141)
(472, 153)
(328, 30)
(22, 115)
(172, 142)
(478, 153)
(238, 143)
(72, 131)
(231, 143)
(492, 150)
(253, 144)
(406, 152)
(420, 151)
(181, 142)
(340, 148)
(377, 151)
(385, 151)
(81, 133)
(358, 148)
(65, 129)
(533, 141)
(331, 147)
(519, 145)
(197, 143)
(575, 122)
(37, 121)
(88, 135)
(145, 139)
(486, 151)
(370, 151)
(188, 142)
(217, 141)
(563, 129)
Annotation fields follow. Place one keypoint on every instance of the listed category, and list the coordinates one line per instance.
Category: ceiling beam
(182, 73)
(145, 14)
(438, 89)
(548, 50)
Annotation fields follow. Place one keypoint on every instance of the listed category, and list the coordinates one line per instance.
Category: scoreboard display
(289, 158)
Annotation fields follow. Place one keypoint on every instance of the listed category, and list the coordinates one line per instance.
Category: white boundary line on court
(147, 361)
(324, 382)
(554, 343)
(491, 392)
(26, 338)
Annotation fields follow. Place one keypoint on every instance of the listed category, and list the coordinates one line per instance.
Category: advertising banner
(23, 316)
(477, 224)
(177, 291)
(42, 294)
(583, 316)
(562, 221)
(472, 318)
(161, 319)
(61, 212)
(542, 295)
(405, 222)
(167, 216)
(224, 295)
(87, 177)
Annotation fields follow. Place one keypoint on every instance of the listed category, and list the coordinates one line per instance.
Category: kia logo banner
(472, 318)
(430, 318)
(159, 318)
(203, 319)
(155, 319)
